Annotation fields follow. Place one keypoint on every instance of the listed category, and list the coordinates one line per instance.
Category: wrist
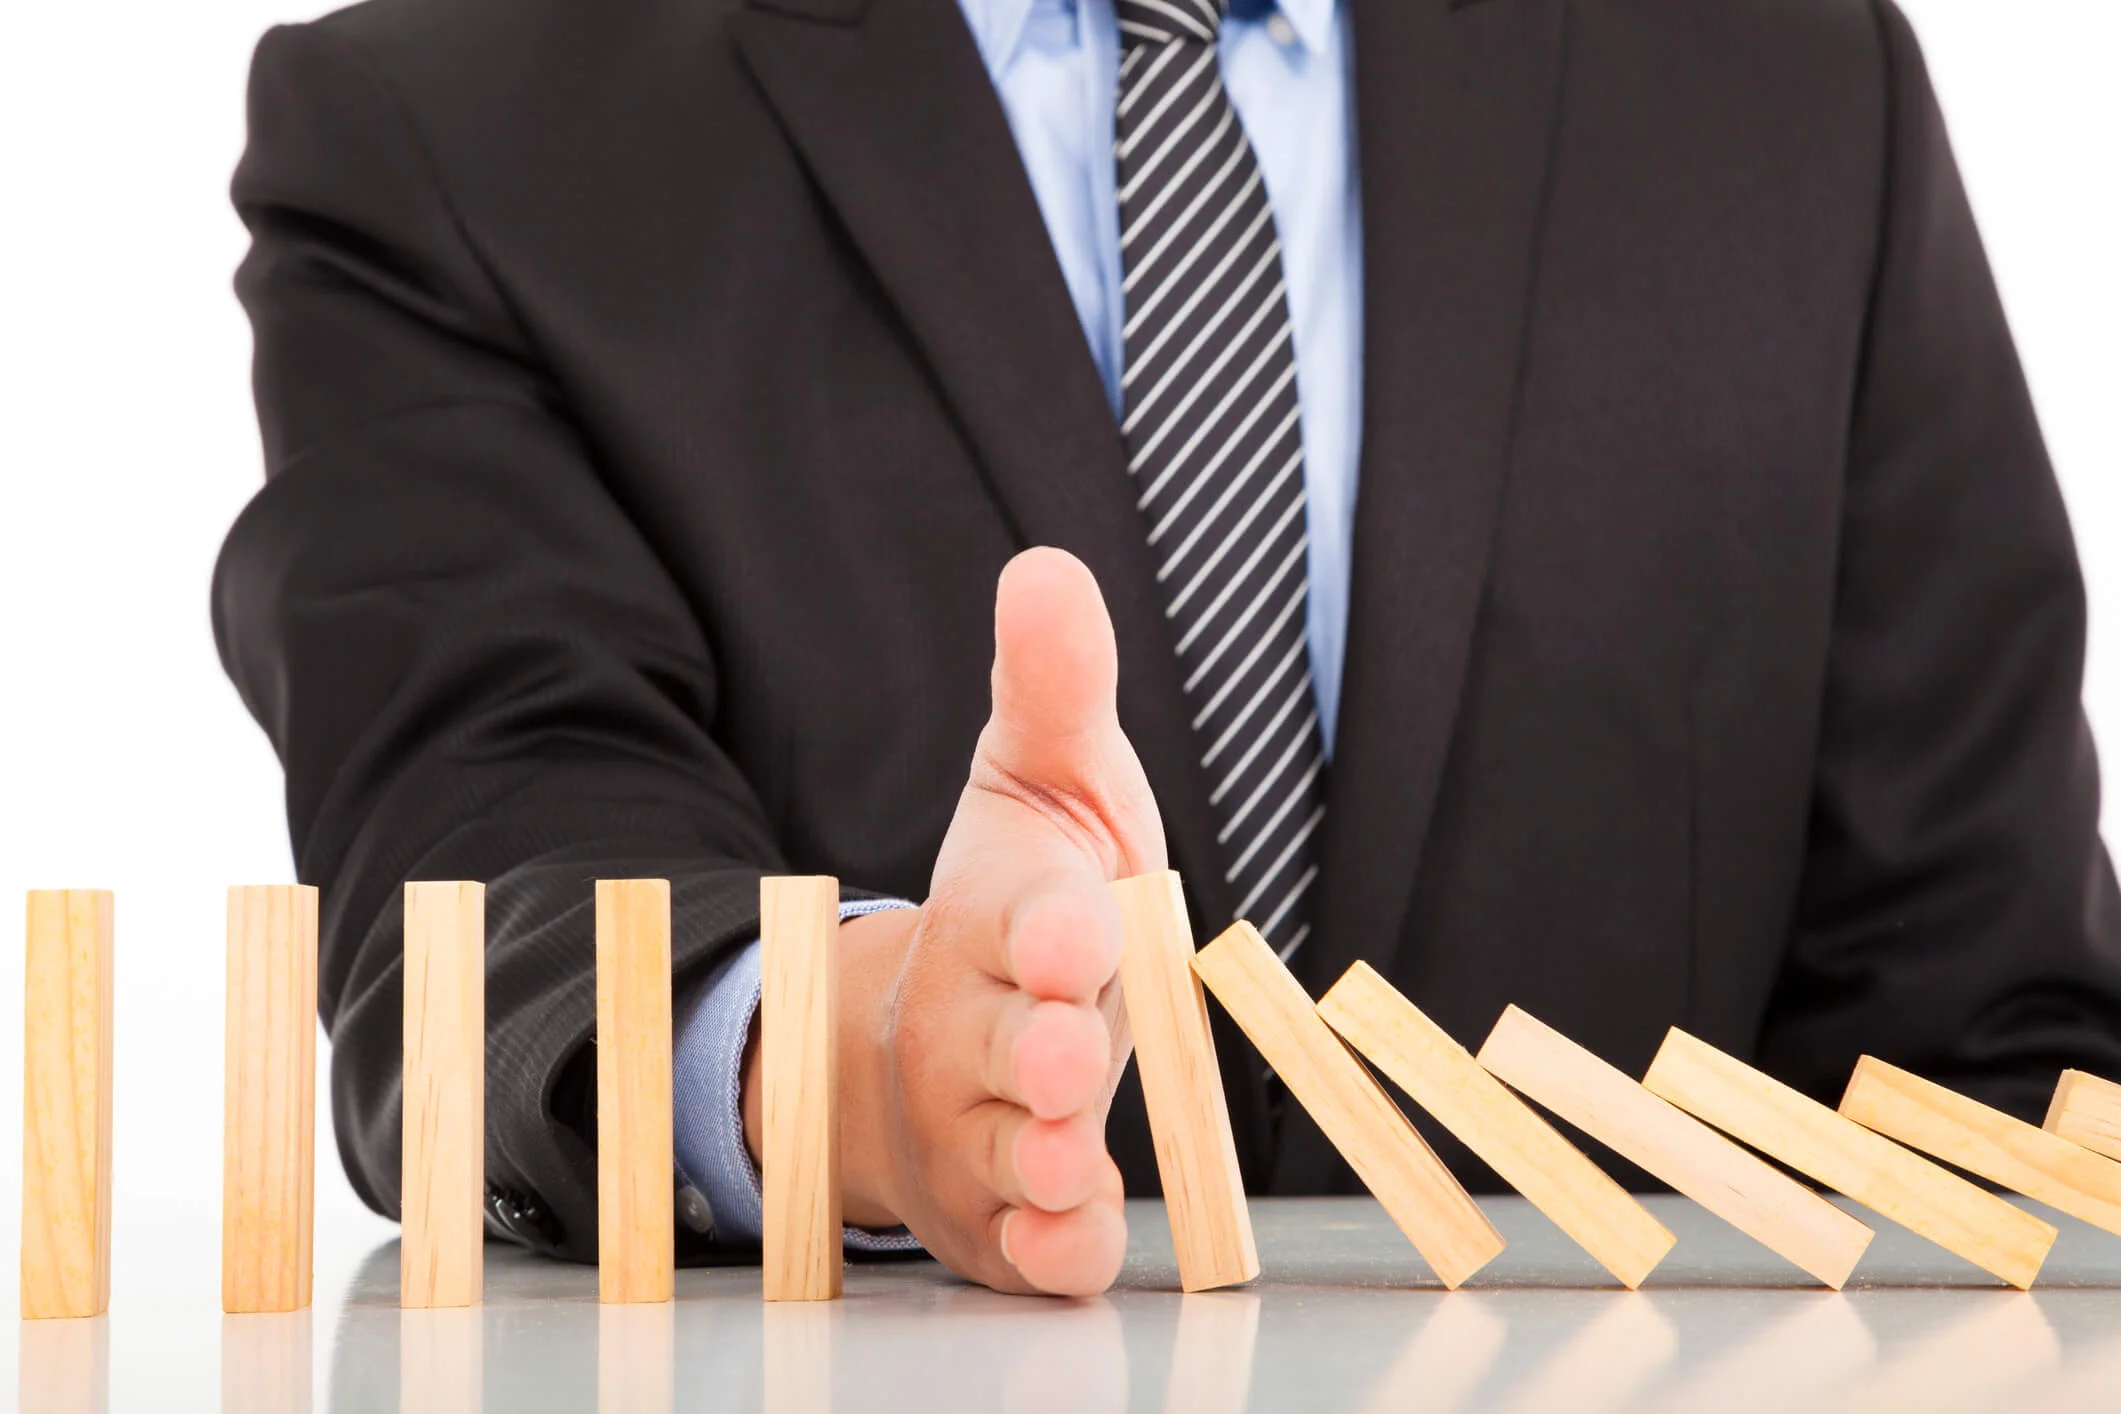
(871, 948)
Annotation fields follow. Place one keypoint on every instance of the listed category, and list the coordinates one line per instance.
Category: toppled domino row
(1667, 1125)
(269, 1124)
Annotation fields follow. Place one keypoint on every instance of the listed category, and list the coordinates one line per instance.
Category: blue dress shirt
(1055, 66)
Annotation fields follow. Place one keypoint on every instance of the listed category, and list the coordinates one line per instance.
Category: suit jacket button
(693, 1210)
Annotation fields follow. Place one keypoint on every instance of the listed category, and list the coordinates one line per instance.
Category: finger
(1053, 742)
(1076, 1253)
(1061, 939)
(1049, 1057)
(1056, 668)
(1053, 1164)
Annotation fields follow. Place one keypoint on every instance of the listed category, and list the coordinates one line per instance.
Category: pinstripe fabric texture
(1215, 445)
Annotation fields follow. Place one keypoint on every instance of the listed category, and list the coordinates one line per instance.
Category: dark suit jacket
(652, 389)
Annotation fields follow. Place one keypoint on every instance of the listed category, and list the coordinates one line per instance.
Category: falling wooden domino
(1998, 1147)
(799, 1074)
(66, 1104)
(1757, 1199)
(268, 1128)
(443, 1171)
(1418, 1192)
(636, 1234)
(1442, 1077)
(1196, 1155)
(2087, 1110)
(1840, 1153)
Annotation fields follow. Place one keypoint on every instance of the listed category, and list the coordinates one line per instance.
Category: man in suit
(1551, 508)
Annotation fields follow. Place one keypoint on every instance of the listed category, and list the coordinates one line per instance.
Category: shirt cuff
(708, 1090)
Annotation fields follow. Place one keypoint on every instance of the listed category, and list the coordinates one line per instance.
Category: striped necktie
(1215, 448)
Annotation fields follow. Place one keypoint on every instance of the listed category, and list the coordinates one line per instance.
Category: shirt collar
(998, 25)
(997, 28)
(1311, 19)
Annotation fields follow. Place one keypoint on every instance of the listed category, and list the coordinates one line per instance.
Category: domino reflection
(1211, 1355)
(265, 1363)
(63, 1365)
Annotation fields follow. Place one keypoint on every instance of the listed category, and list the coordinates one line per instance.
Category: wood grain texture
(1752, 1196)
(1417, 1191)
(2086, 1110)
(66, 1103)
(1998, 1147)
(268, 1129)
(1442, 1077)
(443, 1158)
(1831, 1149)
(799, 1087)
(1189, 1117)
(636, 1195)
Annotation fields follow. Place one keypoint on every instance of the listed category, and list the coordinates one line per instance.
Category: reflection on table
(1344, 1317)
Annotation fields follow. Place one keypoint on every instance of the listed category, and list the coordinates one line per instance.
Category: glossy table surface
(1344, 1316)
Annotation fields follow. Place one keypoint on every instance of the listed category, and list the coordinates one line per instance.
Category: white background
(127, 446)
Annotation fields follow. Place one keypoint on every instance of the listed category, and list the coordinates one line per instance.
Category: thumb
(1054, 738)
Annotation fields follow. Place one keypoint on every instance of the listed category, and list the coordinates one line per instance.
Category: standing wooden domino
(443, 1174)
(1418, 1192)
(1996, 1146)
(799, 1074)
(1751, 1196)
(1836, 1151)
(636, 1231)
(1196, 1155)
(66, 1103)
(1420, 1058)
(268, 1130)
(2087, 1110)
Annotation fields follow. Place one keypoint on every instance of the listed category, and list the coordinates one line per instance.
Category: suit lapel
(1457, 105)
(892, 111)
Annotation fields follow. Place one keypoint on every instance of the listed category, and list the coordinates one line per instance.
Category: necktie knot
(1156, 22)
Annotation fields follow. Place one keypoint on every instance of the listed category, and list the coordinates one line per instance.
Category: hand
(982, 1036)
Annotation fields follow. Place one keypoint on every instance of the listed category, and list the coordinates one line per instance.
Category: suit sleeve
(469, 659)
(1958, 912)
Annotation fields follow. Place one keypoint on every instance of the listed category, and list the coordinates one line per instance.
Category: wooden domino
(443, 1155)
(1745, 1192)
(1445, 1225)
(1998, 1147)
(1442, 1077)
(799, 1071)
(1196, 1155)
(636, 1232)
(268, 1128)
(1840, 1153)
(2087, 1110)
(66, 1103)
